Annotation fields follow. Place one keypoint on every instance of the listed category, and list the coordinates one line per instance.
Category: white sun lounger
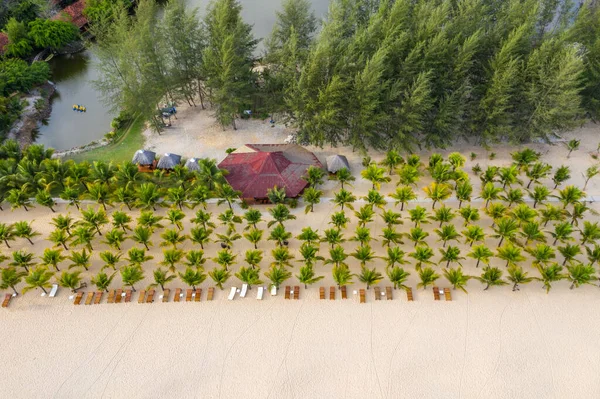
(244, 291)
(53, 291)
(273, 290)
(259, 294)
(232, 293)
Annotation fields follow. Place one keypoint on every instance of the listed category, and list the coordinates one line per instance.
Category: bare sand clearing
(493, 344)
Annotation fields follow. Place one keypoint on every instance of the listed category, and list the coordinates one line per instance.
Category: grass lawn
(122, 150)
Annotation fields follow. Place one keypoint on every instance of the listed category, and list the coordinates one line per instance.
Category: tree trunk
(132, 288)
(52, 209)
(29, 239)
(6, 242)
(43, 289)
(13, 288)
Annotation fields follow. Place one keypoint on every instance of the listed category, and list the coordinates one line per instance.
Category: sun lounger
(244, 291)
(111, 296)
(273, 291)
(188, 295)
(98, 297)
(211, 293)
(89, 298)
(232, 292)
(118, 295)
(7, 298)
(389, 295)
(177, 296)
(331, 293)
(321, 292)
(150, 297)
(344, 292)
(409, 294)
(377, 291)
(142, 297)
(287, 292)
(296, 292)
(436, 293)
(78, 298)
(259, 294)
(362, 295)
(165, 295)
(447, 294)
(128, 295)
(198, 294)
(53, 291)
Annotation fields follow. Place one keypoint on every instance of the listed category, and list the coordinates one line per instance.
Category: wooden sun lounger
(198, 295)
(296, 292)
(447, 294)
(287, 292)
(128, 295)
(7, 298)
(188, 295)
(389, 294)
(377, 291)
(78, 298)
(331, 293)
(98, 297)
(89, 298)
(118, 295)
(150, 297)
(321, 292)
(166, 294)
(344, 292)
(111, 296)
(409, 294)
(142, 297)
(211, 293)
(436, 293)
(177, 297)
(362, 295)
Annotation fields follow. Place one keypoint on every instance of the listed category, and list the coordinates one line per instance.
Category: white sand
(493, 344)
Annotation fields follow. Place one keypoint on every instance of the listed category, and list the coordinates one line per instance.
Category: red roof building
(255, 168)
(3, 42)
(74, 14)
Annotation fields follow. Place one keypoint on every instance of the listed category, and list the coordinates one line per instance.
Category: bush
(124, 118)
(230, 150)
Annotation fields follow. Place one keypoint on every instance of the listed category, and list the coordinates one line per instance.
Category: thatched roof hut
(143, 157)
(192, 164)
(168, 161)
(337, 162)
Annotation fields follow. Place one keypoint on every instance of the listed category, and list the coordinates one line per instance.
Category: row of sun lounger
(388, 294)
(116, 296)
(446, 292)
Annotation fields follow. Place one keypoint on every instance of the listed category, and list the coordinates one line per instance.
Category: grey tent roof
(192, 164)
(168, 161)
(143, 157)
(337, 162)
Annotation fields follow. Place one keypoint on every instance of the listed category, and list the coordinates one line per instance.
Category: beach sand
(484, 344)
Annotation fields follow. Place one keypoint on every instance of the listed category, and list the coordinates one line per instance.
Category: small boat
(80, 108)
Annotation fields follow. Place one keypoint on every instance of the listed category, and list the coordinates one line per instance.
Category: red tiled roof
(3, 42)
(75, 14)
(266, 166)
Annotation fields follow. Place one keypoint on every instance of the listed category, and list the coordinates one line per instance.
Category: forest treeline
(375, 73)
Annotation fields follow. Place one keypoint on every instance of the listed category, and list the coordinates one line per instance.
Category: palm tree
(375, 175)
(142, 235)
(496, 211)
(428, 276)
(408, 175)
(59, 237)
(590, 232)
(510, 254)
(209, 172)
(11, 278)
(339, 220)
(363, 254)
(227, 194)
(447, 233)
(311, 196)
(280, 213)
(125, 196)
(542, 254)
(344, 176)
(309, 235)
(225, 258)
(281, 256)
(254, 257)
(418, 236)
(249, 275)
(374, 199)
(593, 255)
(369, 276)
(22, 259)
(489, 192)
(173, 237)
(506, 228)
(203, 218)
(276, 195)
(94, 219)
(397, 276)
(342, 275)
(177, 196)
(561, 175)
(19, 197)
(422, 255)
(80, 259)
(536, 172)
(365, 215)
(337, 256)
(578, 212)
(102, 281)
(418, 215)
(550, 274)
(277, 275)
(110, 259)
(581, 274)
(252, 217)
(562, 232)
(390, 236)
(219, 276)
(137, 256)
(114, 238)
(513, 196)
(572, 145)
(148, 196)
(344, 198)
(171, 257)
(481, 253)
(200, 236)
(569, 252)
(443, 215)
(469, 214)
(7, 233)
(441, 172)
(491, 276)
(127, 174)
(392, 160)
(473, 234)
(175, 216)
(38, 278)
(52, 258)
(149, 220)
(452, 254)
(131, 275)
(570, 195)
(391, 218)
(100, 193)
(314, 176)
(280, 235)
(333, 237)
(161, 278)
(195, 259)
(362, 235)
(457, 278)
(508, 176)
(307, 275)
(193, 277)
(489, 175)
(72, 195)
(523, 214)
(121, 221)
(254, 236)
(517, 276)
(590, 173)
(464, 191)
(437, 192)
(23, 230)
(63, 222)
(539, 195)
(532, 232)
(403, 195)
(395, 255)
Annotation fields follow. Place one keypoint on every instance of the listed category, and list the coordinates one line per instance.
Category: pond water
(73, 76)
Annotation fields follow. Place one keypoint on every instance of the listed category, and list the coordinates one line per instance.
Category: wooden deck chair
(331, 293)
(436, 293)
(211, 293)
(118, 295)
(150, 297)
(321, 292)
(177, 297)
(287, 292)
(166, 294)
(296, 292)
(198, 295)
(7, 298)
(409, 294)
(111, 296)
(89, 298)
(377, 291)
(188, 295)
(142, 297)
(389, 294)
(344, 292)
(447, 294)
(128, 295)
(78, 298)
(362, 295)
(98, 297)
